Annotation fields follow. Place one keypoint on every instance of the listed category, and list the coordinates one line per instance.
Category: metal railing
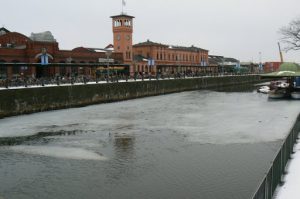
(27, 81)
(273, 178)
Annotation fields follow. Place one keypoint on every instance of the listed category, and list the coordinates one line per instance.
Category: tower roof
(122, 15)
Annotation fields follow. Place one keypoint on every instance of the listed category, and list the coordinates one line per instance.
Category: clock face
(118, 37)
(128, 37)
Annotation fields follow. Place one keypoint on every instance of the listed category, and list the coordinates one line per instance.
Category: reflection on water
(237, 88)
(59, 152)
(201, 144)
(124, 144)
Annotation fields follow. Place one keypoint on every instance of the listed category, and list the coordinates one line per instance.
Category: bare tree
(291, 35)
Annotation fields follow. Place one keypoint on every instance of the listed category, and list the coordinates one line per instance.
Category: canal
(199, 144)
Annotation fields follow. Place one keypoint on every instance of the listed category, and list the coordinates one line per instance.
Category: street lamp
(108, 54)
(260, 63)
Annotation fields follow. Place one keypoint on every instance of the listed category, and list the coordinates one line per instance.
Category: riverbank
(290, 187)
(30, 100)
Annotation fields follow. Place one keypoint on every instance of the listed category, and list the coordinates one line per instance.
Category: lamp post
(260, 63)
(108, 54)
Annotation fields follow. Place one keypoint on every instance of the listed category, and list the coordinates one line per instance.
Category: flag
(123, 2)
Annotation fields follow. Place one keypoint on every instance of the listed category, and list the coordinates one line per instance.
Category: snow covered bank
(290, 188)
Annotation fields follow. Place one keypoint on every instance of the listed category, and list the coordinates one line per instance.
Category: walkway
(290, 188)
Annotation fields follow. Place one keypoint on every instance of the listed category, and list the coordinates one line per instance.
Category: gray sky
(234, 28)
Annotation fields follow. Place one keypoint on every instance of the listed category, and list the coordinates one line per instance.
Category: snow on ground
(100, 82)
(290, 188)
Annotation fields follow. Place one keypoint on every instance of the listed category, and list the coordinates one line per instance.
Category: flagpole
(122, 6)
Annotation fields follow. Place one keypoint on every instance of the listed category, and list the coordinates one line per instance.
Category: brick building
(146, 57)
(271, 66)
(150, 57)
(18, 48)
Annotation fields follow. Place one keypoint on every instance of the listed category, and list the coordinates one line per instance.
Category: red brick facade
(169, 58)
(271, 66)
(150, 57)
(17, 48)
(147, 57)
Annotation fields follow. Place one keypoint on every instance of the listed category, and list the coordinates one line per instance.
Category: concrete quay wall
(30, 100)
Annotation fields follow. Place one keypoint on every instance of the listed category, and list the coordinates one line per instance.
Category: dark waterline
(201, 144)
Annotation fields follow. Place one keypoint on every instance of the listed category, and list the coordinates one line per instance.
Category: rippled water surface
(201, 144)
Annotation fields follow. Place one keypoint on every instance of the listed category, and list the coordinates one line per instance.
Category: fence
(273, 177)
(59, 73)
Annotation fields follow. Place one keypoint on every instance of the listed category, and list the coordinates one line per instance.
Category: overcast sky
(233, 28)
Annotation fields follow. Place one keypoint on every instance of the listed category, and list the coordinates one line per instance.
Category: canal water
(200, 144)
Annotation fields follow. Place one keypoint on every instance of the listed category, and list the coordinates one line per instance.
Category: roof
(192, 48)
(229, 59)
(3, 31)
(212, 61)
(17, 37)
(151, 43)
(220, 60)
(285, 70)
(122, 15)
(83, 50)
(43, 37)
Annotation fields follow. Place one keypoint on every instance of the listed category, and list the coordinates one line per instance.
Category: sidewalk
(290, 188)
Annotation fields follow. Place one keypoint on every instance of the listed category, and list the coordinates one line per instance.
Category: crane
(280, 52)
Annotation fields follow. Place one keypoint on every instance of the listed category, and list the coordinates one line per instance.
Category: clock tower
(122, 31)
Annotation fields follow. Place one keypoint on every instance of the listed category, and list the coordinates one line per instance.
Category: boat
(277, 94)
(295, 95)
(264, 89)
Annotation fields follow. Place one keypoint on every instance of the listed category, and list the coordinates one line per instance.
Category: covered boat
(289, 71)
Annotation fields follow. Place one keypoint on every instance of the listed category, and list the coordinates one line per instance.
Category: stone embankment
(30, 100)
